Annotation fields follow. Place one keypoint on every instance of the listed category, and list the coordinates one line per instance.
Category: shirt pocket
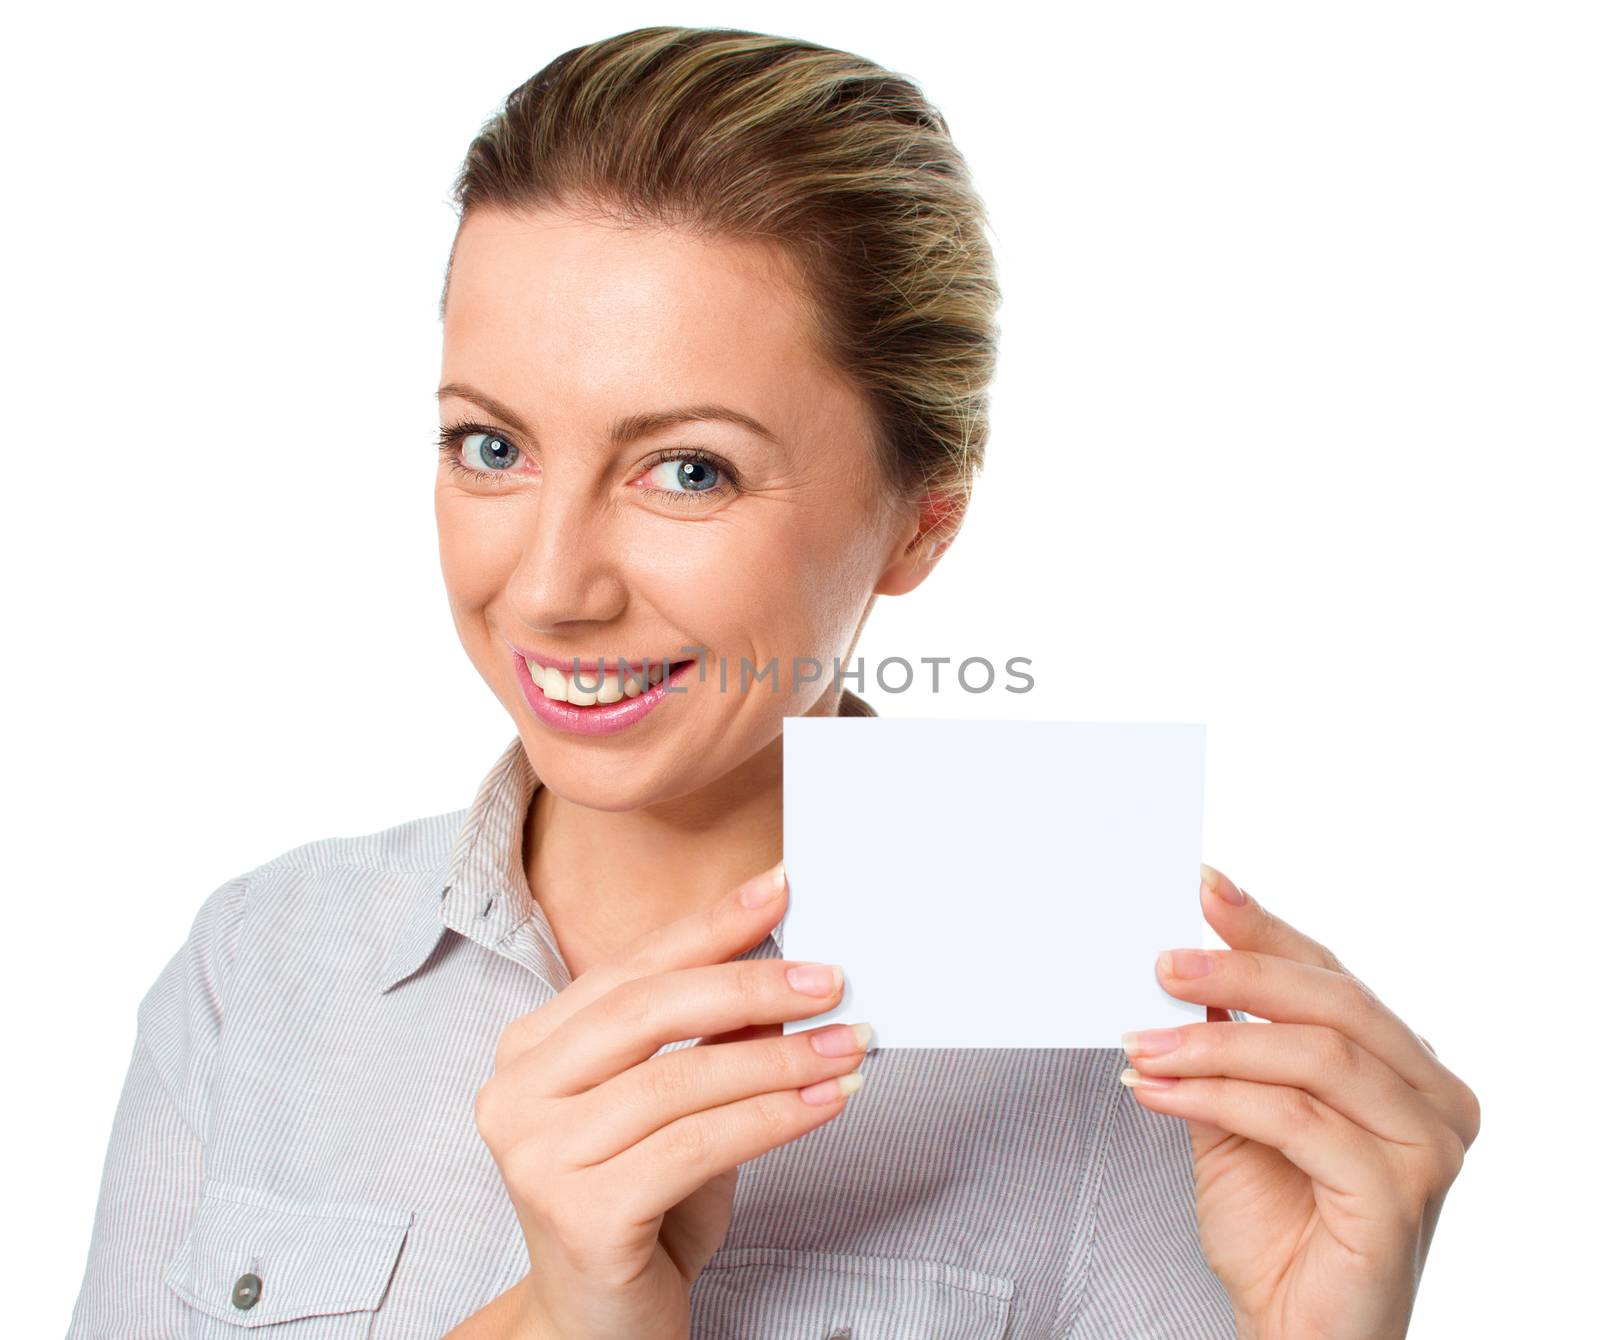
(287, 1269)
(808, 1294)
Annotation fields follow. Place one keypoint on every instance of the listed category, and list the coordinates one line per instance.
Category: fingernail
(1132, 1077)
(841, 1040)
(841, 1086)
(763, 888)
(1151, 1042)
(1185, 962)
(816, 979)
(1220, 885)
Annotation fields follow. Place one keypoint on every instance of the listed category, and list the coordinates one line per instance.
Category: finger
(713, 935)
(1245, 924)
(1322, 1143)
(635, 1020)
(672, 1163)
(1292, 992)
(1326, 1064)
(615, 1115)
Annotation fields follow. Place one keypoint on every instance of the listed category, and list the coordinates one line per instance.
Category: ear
(922, 542)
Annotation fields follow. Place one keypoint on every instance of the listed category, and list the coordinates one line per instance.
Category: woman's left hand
(1324, 1140)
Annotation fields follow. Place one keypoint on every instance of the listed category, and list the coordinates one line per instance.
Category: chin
(615, 783)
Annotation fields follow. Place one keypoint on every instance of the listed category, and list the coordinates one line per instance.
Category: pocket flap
(311, 1258)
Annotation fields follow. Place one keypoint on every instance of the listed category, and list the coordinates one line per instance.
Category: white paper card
(993, 883)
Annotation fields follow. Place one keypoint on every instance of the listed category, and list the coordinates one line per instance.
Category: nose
(569, 570)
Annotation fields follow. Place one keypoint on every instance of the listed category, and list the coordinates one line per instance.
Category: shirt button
(840, 1333)
(247, 1291)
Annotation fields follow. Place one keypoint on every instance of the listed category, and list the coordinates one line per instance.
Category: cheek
(477, 550)
(779, 579)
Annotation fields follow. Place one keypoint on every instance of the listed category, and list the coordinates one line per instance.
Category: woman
(719, 324)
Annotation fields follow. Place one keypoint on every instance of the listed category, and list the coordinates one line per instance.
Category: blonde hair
(843, 164)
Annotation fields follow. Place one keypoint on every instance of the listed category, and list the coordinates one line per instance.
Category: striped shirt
(295, 1141)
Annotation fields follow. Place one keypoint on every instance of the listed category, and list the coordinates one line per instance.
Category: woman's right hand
(621, 1164)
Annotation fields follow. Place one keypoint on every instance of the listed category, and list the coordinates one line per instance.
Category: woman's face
(574, 523)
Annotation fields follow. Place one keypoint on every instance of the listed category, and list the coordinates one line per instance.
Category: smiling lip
(601, 718)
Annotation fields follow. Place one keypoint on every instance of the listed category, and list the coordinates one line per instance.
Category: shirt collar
(480, 889)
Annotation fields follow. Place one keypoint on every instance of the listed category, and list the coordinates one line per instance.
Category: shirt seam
(1095, 1176)
(229, 1193)
(235, 909)
(229, 938)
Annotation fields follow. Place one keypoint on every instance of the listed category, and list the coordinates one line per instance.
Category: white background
(1294, 435)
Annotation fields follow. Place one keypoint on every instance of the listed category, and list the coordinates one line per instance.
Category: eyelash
(450, 438)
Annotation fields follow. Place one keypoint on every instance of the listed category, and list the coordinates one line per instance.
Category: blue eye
(684, 476)
(495, 452)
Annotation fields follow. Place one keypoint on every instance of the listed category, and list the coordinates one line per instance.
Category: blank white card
(993, 883)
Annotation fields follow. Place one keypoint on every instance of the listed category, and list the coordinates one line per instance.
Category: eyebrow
(626, 429)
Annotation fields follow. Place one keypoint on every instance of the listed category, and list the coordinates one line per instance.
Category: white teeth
(551, 680)
(616, 685)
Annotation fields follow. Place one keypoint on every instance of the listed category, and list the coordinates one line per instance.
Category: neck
(604, 878)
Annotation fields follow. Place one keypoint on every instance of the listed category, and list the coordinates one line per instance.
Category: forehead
(595, 311)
